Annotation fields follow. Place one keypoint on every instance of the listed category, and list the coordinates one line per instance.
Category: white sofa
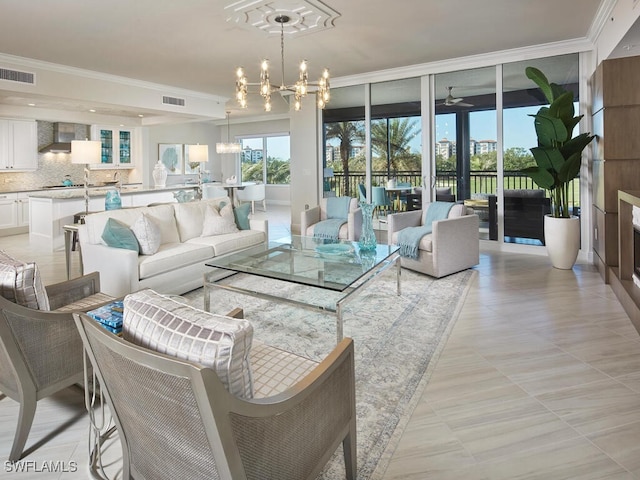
(178, 265)
(453, 244)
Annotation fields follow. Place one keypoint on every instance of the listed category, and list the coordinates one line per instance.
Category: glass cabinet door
(117, 146)
(106, 137)
(124, 147)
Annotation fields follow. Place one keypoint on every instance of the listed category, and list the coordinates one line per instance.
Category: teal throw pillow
(116, 234)
(241, 214)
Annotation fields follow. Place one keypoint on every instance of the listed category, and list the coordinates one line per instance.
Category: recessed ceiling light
(92, 110)
(140, 115)
(31, 104)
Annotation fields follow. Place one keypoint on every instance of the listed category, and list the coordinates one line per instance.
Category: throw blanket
(409, 238)
(337, 214)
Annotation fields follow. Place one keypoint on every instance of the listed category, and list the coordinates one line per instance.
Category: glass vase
(367, 242)
(112, 200)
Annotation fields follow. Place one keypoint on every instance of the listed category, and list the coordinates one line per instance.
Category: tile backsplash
(52, 167)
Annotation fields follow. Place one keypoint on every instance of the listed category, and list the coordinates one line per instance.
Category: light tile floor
(540, 379)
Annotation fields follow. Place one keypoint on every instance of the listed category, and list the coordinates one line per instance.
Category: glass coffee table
(333, 266)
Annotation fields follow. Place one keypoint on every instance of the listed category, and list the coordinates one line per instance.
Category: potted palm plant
(558, 157)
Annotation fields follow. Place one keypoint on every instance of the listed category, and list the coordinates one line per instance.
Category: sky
(517, 125)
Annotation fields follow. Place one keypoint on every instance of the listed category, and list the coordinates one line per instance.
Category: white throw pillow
(168, 326)
(21, 283)
(148, 234)
(219, 222)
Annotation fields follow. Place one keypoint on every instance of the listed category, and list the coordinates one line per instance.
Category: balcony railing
(480, 182)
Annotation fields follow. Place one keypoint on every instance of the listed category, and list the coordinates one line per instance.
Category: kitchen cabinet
(118, 147)
(14, 213)
(18, 145)
(8, 210)
(22, 209)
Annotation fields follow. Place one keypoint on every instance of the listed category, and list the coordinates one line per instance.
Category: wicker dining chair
(176, 420)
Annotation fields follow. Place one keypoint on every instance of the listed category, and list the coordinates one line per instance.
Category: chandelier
(299, 89)
(228, 147)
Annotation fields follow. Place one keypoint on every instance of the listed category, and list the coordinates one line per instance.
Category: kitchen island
(51, 210)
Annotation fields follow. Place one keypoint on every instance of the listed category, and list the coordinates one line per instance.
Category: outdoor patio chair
(176, 419)
(40, 349)
(380, 198)
(402, 205)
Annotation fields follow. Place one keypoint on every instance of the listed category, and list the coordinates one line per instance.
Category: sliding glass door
(466, 139)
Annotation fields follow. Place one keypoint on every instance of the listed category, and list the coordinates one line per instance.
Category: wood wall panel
(616, 150)
(621, 133)
(611, 238)
(620, 78)
(597, 170)
(617, 175)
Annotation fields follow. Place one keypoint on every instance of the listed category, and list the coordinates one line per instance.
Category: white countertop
(69, 192)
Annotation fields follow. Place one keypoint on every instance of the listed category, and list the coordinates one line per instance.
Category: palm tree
(348, 133)
(390, 139)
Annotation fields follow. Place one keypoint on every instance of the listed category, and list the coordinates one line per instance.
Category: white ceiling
(197, 44)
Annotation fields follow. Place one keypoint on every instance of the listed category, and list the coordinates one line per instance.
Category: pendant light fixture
(228, 147)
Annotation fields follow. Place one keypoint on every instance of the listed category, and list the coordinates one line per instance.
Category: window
(266, 159)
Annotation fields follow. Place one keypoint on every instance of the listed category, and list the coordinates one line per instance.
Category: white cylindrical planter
(562, 238)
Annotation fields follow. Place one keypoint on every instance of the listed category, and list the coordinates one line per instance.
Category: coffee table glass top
(308, 261)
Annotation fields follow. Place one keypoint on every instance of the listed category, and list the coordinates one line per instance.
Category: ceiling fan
(451, 101)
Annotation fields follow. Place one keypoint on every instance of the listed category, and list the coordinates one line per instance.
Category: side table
(70, 231)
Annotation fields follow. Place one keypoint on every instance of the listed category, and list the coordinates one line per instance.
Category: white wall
(204, 133)
(305, 187)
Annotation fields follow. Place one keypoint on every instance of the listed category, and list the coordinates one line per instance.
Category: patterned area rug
(397, 341)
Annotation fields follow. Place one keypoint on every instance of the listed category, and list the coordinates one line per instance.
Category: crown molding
(599, 21)
(466, 63)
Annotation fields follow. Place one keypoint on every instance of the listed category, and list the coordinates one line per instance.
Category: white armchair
(349, 231)
(452, 246)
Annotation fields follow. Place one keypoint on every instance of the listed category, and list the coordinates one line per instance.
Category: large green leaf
(540, 79)
(576, 144)
(562, 107)
(570, 169)
(557, 90)
(548, 158)
(570, 124)
(540, 176)
(550, 130)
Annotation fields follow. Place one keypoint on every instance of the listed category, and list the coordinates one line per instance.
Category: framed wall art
(171, 155)
(190, 168)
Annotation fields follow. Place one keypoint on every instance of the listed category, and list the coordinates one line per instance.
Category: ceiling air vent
(173, 101)
(17, 76)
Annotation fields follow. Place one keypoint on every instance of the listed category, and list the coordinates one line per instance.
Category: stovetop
(75, 185)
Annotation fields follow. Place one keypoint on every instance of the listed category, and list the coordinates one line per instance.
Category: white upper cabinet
(18, 145)
(118, 147)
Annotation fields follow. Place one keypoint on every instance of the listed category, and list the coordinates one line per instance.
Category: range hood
(63, 134)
